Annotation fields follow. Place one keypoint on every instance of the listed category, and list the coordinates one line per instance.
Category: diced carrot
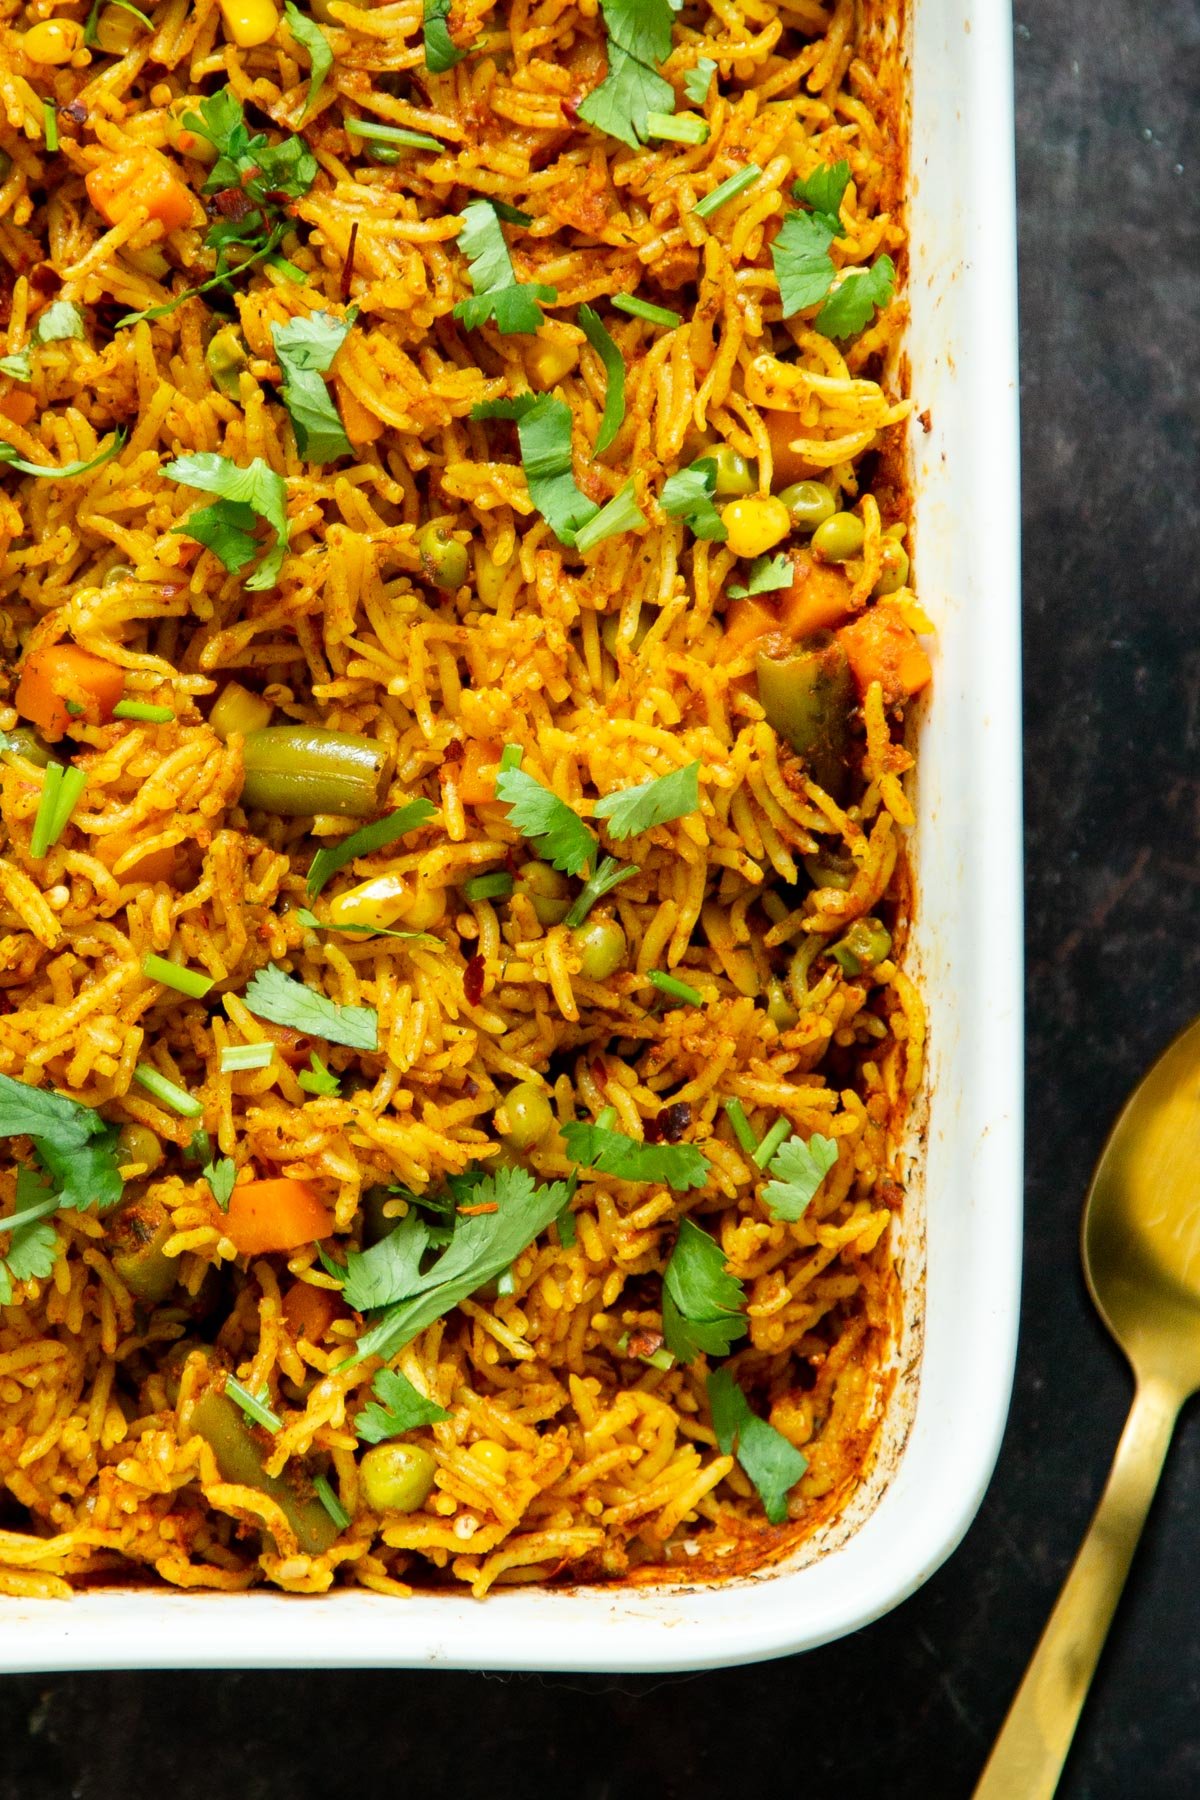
(18, 407)
(139, 176)
(818, 597)
(747, 620)
(58, 673)
(787, 465)
(362, 427)
(477, 772)
(880, 647)
(272, 1215)
(309, 1311)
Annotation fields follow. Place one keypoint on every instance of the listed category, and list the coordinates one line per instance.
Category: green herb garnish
(561, 836)
(143, 710)
(498, 296)
(727, 191)
(246, 495)
(221, 1174)
(639, 38)
(677, 128)
(773, 1465)
(9, 456)
(688, 495)
(317, 1079)
(765, 575)
(185, 981)
(286, 1000)
(167, 1093)
(74, 1145)
(609, 874)
(614, 369)
(253, 1405)
(702, 1302)
(622, 513)
(698, 81)
(320, 56)
(306, 349)
(376, 836)
(237, 1058)
(674, 989)
(680, 1166)
(797, 1171)
(642, 309)
(655, 802)
(397, 1407)
(441, 52)
(62, 320)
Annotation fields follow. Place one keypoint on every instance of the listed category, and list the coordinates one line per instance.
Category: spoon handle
(1029, 1753)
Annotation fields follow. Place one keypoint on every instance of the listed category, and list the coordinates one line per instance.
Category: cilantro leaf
(483, 1246)
(544, 434)
(32, 1250)
(401, 1407)
(441, 52)
(622, 513)
(376, 836)
(823, 191)
(10, 458)
(773, 1465)
(798, 1169)
(61, 320)
(74, 1144)
(702, 1302)
(803, 265)
(852, 302)
(286, 1000)
(388, 1271)
(654, 802)
(609, 874)
(766, 574)
(688, 495)
(257, 487)
(681, 1166)
(306, 349)
(320, 55)
(624, 100)
(498, 295)
(614, 370)
(561, 835)
(641, 27)
(220, 1174)
(317, 1079)
(698, 81)
(18, 366)
(228, 530)
(405, 937)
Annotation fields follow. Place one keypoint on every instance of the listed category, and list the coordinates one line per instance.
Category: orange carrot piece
(280, 1214)
(880, 647)
(477, 772)
(139, 176)
(58, 673)
(747, 620)
(786, 465)
(309, 1311)
(818, 598)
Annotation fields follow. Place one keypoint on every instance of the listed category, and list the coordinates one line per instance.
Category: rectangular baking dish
(961, 1245)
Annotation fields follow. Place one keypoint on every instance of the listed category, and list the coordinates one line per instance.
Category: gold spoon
(1141, 1257)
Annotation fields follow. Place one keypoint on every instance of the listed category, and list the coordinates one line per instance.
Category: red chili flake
(570, 108)
(473, 980)
(485, 1206)
(232, 203)
(348, 265)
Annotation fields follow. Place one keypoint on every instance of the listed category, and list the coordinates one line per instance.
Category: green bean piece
(839, 538)
(548, 892)
(27, 744)
(808, 698)
(601, 946)
(294, 770)
(810, 503)
(225, 359)
(397, 1477)
(443, 558)
(736, 474)
(529, 1115)
(866, 943)
(241, 1459)
(138, 1232)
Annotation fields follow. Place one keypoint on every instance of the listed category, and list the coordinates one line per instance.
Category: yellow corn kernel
(492, 1456)
(237, 709)
(117, 30)
(549, 359)
(52, 40)
(377, 903)
(755, 525)
(249, 22)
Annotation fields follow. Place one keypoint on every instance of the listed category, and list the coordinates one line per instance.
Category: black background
(1109, 154)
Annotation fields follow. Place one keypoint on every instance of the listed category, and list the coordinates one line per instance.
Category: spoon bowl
(1141, 1258)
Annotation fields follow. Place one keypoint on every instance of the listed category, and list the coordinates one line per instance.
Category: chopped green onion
(771, 1142)
(253, 1407)
(330, 1502)
(657, 1359)
(73, 783)
(606, 1118)
(735, 1113)
(392, 134)
(677, 990)
(678, 128)
(236, 1057)
(141, 709)
(176, 1099)
(510, 757)
(317, 1079)
(50, 119)
(185, 981)
(622, 513)
(642, 309)
(728, 190)
(39, 841)
(496, 886)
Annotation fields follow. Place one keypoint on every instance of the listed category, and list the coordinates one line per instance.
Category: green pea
(810, 503)
(443, 559)
(601, 946)
(385, 154)
(736, 474)
(397, 1477)
(225, 359)
(547, 890)
(895, 568)
(780, 1011)
(867, 943)
(839, 538)
(529, 1115)
(138, 1144)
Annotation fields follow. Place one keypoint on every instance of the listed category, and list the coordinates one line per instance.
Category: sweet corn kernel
(249, 22)
(755, 525)
(493, 1457)
(237, 709)
(377, 903)
(117, 30)
(52, 40)
(549, 359)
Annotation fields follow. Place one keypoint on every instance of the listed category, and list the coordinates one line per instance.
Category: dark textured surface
(1109, 148)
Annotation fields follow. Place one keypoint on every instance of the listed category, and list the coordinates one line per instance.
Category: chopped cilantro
(561, 835)
(441, 52)
(18, 366)
(398, 1407)
(798, 1169)
(75, 1146)
(655, 802)
(10, 458)
(803, 265)
(681, 1166)
(387, 1272)
(61, 320)
(255, 492)
(220, 1176)
(688, 495)
(854, 299)
(498, 296)
(823, 191)
(697, 82)
(609, 874)
(702, 1302)
(766, 574)
(32, 1249)
(317, 1079)
(621, 514)
(306, 349)
(285, 1000)
(376, 836)
(320, 56)
(544, 434)
(773, 1465)
(614, 369)
(639, 36)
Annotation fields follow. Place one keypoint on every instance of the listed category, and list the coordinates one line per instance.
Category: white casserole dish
(962, 1219)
